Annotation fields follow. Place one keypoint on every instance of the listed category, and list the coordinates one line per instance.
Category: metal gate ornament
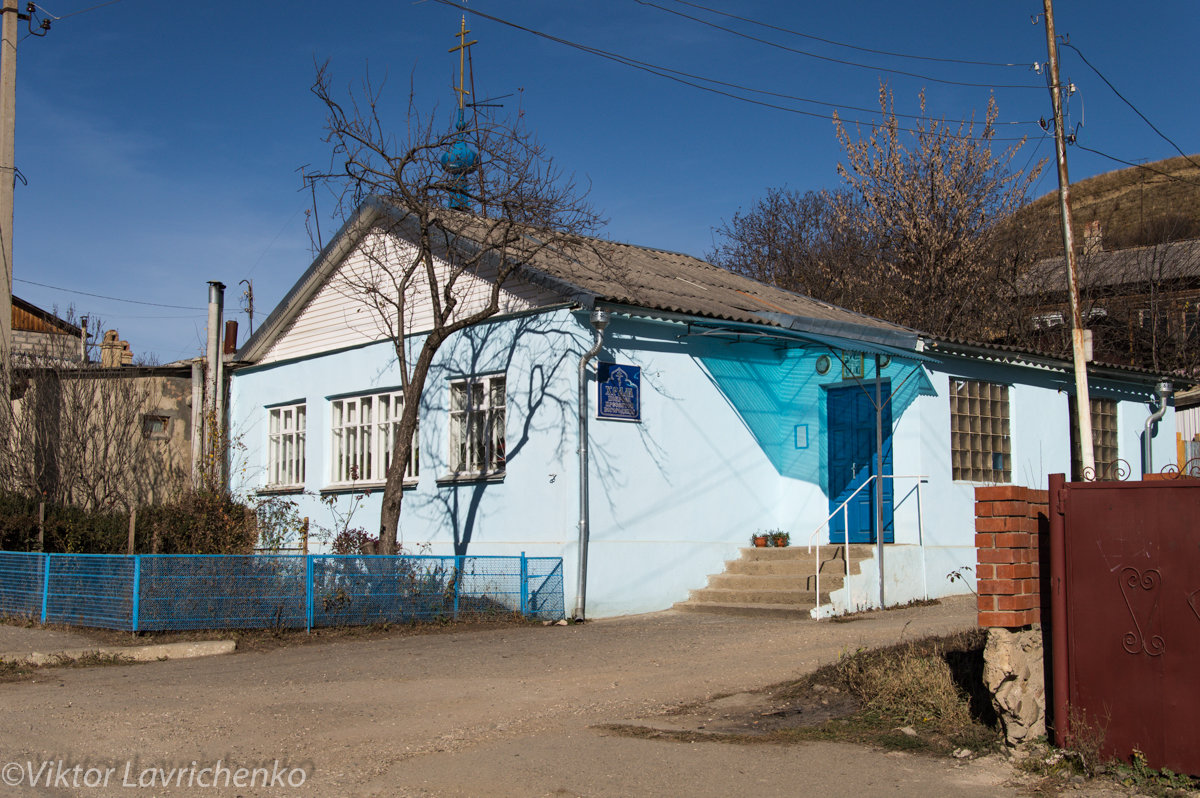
(1135, 642)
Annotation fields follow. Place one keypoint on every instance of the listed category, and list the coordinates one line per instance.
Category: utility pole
(11, 18)
(249, 294)
(1079, 335)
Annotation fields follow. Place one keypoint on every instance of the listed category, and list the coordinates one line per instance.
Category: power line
(75, 13)
(102, 296)
(1167, 175)
(830, 59)
(1108, 83)
(263, 254)
(844, 44)
(1036, 149)
(688, 79)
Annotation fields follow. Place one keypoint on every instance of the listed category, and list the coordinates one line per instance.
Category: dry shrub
(914, 682)
(199, 522)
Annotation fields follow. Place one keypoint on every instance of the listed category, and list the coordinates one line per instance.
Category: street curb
(151, 653)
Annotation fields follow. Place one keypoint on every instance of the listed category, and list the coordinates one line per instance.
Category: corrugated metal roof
(1016, 354)
(669, 281)
(591, 269)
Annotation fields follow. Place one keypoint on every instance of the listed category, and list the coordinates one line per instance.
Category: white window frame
(478, 415)
(362, 430)
(980, 431)
(287, 427)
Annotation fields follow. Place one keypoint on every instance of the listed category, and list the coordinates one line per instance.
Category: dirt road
(507, 712)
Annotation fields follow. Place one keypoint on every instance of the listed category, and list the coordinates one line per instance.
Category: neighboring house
(1142, 303)
(98, 435)
(1187, 429)
(728, 407)
(41, 338)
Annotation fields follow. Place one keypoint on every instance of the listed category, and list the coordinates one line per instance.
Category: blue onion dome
(461, 158)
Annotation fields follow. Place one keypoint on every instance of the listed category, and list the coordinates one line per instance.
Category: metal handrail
(843, 508)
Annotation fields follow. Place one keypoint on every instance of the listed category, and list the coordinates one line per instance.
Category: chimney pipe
(214, 403)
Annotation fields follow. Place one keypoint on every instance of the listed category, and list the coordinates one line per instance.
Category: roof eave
(326, 262)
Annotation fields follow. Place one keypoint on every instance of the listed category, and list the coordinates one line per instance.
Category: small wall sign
(619, 392)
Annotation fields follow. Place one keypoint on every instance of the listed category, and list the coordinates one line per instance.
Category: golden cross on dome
(461, 47)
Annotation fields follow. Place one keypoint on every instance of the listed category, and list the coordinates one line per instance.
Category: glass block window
(477, 419)
(980, 446)
(1104, 440)
(364, 431)
(285, 446)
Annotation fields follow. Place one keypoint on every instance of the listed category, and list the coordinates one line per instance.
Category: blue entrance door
(851, 426)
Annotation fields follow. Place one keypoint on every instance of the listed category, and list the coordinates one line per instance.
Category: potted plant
(759, 539)
(780, 539)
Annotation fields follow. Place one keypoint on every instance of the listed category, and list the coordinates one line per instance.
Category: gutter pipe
(599, 319)
(1164, 390)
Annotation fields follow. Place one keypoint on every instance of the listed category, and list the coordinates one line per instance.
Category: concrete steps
(775, 582)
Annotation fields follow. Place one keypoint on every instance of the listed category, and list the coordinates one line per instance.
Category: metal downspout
(878, 481)
(600, 319)
(1164, 389)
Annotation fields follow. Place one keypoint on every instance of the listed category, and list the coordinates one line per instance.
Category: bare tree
(791, 240)
(910, 237)
(930, 208)
(75, 434)
(468, 204)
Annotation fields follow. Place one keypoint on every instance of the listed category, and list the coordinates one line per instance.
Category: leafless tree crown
(909, 237)
(434, 271)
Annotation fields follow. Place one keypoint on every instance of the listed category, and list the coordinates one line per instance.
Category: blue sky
(161, 139)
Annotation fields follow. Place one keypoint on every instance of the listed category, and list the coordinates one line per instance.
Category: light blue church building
(715, 407)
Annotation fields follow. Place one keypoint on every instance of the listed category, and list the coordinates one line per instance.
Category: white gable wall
(337, 317)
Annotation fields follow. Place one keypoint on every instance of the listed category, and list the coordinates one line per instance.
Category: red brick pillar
(1009, 532)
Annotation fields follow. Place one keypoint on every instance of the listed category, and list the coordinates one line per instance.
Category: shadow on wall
(539, 355)
(776, 392)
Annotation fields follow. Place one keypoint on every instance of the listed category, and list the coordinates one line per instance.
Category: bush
(196, 523)
(67, 529)
(199, 522)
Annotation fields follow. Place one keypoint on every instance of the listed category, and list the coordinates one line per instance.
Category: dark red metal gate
(1131, 578)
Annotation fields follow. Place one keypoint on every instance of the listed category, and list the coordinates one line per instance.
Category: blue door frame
(850, 417)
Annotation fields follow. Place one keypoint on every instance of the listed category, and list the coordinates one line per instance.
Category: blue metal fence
(169, 591)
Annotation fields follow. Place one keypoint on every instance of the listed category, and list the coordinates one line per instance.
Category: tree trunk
(393, 489)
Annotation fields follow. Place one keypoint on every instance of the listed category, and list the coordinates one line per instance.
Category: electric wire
(831, 59)
(1037, 148)
(263, 254)
(1108, 83)
(844, 44)
(689, 79)
(102, 296)
(75, 13)
(1167, 175)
